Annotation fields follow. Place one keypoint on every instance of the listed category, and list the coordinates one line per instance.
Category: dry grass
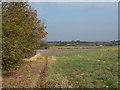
(27, 75)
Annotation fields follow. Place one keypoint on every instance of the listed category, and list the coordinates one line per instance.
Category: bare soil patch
(54, 50)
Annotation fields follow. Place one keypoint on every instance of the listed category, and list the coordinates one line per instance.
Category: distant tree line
(78, 42)
(22, 32)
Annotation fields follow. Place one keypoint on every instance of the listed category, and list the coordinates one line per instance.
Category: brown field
(54, 50)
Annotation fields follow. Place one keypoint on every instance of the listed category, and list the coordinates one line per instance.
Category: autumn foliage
(22, 32)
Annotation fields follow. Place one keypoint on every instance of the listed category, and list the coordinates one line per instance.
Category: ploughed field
(55, 50)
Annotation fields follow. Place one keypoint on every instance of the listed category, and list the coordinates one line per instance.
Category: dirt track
(28, 75)
(42, 74)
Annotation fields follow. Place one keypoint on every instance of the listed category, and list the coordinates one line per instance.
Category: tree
(22, 31)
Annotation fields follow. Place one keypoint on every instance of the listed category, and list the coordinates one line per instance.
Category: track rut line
(42, 74)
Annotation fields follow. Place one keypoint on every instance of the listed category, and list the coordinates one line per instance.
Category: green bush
(21, 31)
(43, 45)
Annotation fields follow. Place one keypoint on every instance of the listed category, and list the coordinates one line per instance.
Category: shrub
(43, 45)
(21, 32)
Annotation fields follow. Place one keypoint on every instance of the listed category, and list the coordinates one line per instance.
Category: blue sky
(79, 21)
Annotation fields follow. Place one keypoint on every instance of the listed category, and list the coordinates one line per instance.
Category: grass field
(69, 67)
(86, 69)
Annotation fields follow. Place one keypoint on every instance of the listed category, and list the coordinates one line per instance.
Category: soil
(54, 50)
(42, 74)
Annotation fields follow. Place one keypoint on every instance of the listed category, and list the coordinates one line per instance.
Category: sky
(85, 21)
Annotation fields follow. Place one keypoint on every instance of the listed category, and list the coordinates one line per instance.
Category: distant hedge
(22, 31)
(43, 45)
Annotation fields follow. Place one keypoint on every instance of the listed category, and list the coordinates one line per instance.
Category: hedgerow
(22, 32)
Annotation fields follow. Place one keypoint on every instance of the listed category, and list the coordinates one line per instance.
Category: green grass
(85, 69)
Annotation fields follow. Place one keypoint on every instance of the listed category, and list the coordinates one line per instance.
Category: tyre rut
(42, 74)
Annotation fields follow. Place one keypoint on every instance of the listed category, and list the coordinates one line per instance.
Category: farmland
(54, 50)
(68, 67)
(85, 69)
